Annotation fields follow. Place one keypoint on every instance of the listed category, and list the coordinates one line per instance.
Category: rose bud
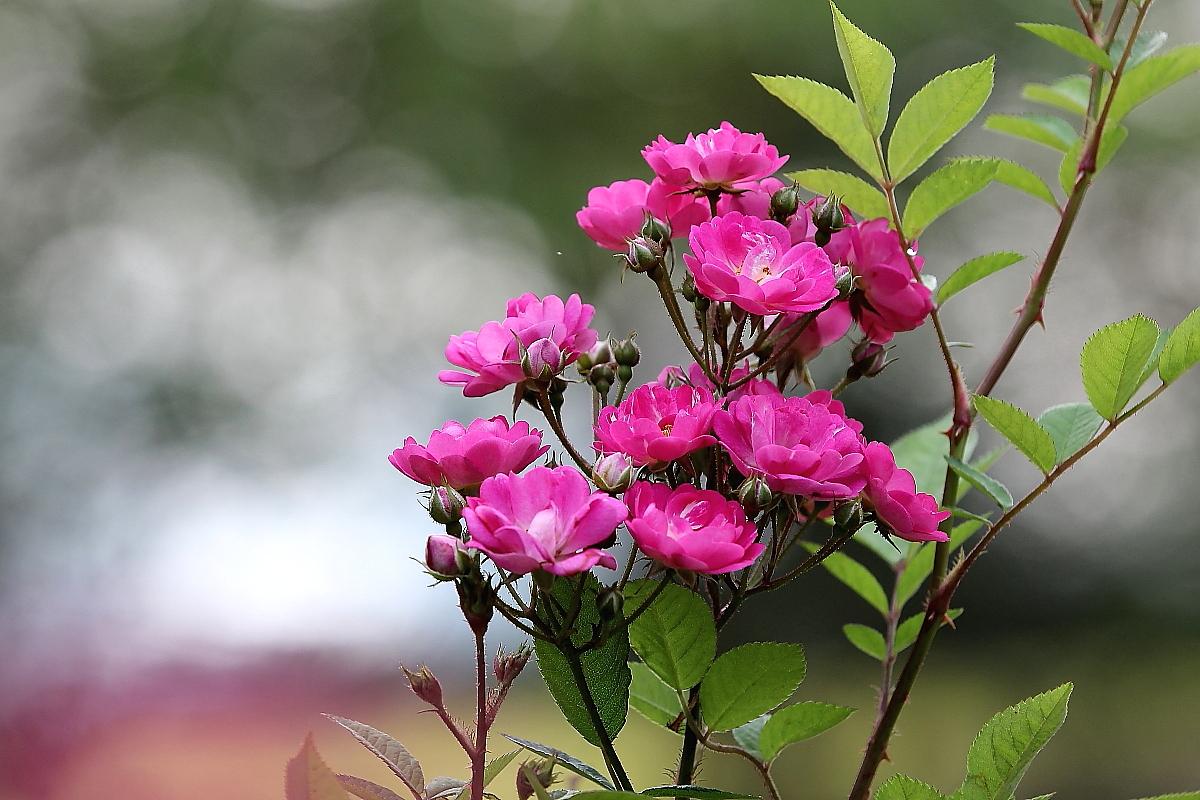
(508, 666)
(655, 229)
(445, 558)
(614, 473)
(543, 360)
(539, 771)
(784, 203)
(627, 353)
(755, 495)
(446, 505)
(424, 685)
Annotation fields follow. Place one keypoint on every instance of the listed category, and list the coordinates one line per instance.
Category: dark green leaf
(946, 188)
(866, 638)
(983, 482)
(1053, 132)
(797, 723)
(1113, 360)
(699, 792)
(1069, 94)
(652, 698)
(1022, 430)
(1070, 40)
(1071, 426)
(975, 270)
(749, 681)
(1182, 349)
(675, 636)
(869, 69)
(861, 197)
(1153, 76)
(566, 760)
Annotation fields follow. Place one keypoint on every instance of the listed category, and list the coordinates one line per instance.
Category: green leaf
(698, 792)
(1153, 76)
(1022, 430)
(490, 771)
(869, 69)
(1147, 44)
(389, 751)
(861, 197)
(1112, 361)
(1069, 93)
(1053, 132)
(1071, 40)
(1110, 142)
(938, 111)
(797, 723)
(975, 270)
(1182, 349)
(829, 111)
(1178, 796)
(1152, 363)
(748, 735)
(1071, 426)
(1004, 749)
(749, 681)
(854, 575)
(902, 787)
(908, 630)
(606, 669)
(946, 188)
(983, 482)
(1023, 179)
(369, 790)
(565, 760)
(866, 639)
(652, 698)
(308, 778)
(920, 563)
(922, 451)
(676, 636)
(870, 537)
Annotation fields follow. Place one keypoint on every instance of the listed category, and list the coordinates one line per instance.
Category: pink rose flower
(691, 529)
(680, 209)
(722, 158)
(464, 456)
(893, 494)
(614, 213)
(892, 298)
(674, 375)
(753, 264)
(493, 352)
(826, 328)
(800, 445)
(656, 425)
(548, 519)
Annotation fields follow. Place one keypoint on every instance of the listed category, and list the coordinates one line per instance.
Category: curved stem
(557, 426)
(687, 753)
(663, 281)
(615, 769)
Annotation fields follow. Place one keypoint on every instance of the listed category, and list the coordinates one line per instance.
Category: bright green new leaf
(565, 760)
(920, 563)
(861, 197)
(1153, 76)
(675, 636)
(908, 630)
(307, 777)
(866, 639)
(902, 787)
(397, 758)
(946, 188)
(1182, 349)
(748, 735)
(938, 111)
(797, 723)
(1023, 179)
(1152, 363)
(1022, 430)
(854, 575)
(1071, 426)
(869, 68)
(652, 698)
(1004, 749)
(1113, 360)
(605, 669)
(831, 113)
(698, 792)
(1071, 40)
(983, 482)
(1147, 44)
(1053, 132)
(749, 681)
(1110, 142)
(1069, 93)
(975, 270)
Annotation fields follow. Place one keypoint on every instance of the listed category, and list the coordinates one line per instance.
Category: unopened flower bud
(539, 771)
(868, 360)
(424, 685)
(508, 666)
(828, 219)
(845, 280)
(643, 254)
(542, 360)
(601, 353)
(627, 353)
(688, 289)
(446, 505)
(476, 598)
(784, 203)
(755, 495)
(610, 602)
(445, 557)
(614, 473)
(624, 374)
(849, 516)
(602, 376)
(655, 229)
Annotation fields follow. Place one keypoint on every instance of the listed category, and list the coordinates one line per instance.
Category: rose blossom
(691, 529)
(655, 425)
(800, 445)
(548, 519)
(675, 375)
(442, 555)
(892, 492)
(892, 298)
(464, 456)
(495, 350)
(826, 328)
(753, 264)
(722, 158)
(614, 213)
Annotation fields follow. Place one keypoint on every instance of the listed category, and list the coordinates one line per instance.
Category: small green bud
(849, 516)
(643, 254)
(828, 219)
(755, 495)
(655, 229)
(784, 203)
(627, 353)
(446, 504)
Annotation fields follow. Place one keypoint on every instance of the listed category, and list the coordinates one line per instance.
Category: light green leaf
(1182, 350)
(861, 197)
(652, 698)
(606, 669)
(829, 111)
(908, 630)
(1153, 76)
(1071, 40)
(1112, 361)
(946, 188)
(1023, 179)
(922, 451)
(397, 758)
(698, 792)
(797, 723)
(1069, 93)
(869, 537)
(1004, 749)
(983, 482)
(675, 636)
(869, 69)
(308, 778)
(749, 681)
(1071, 426)
(1147, 44)
(1110, 142)
(902, 787)
(866, 639)
(565, 760)
(975, 270)
(920, 563)
(1152, 363)
(938, 111)
(854, 575)
(1053, 132)
(1022, 430)
(748, 735)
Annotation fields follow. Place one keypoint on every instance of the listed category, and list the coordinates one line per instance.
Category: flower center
(759, 262)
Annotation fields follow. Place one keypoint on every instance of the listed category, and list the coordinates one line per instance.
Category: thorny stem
(776, 353)
(479, 752)
(696, 728)
(556, 425)
(663, 281)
